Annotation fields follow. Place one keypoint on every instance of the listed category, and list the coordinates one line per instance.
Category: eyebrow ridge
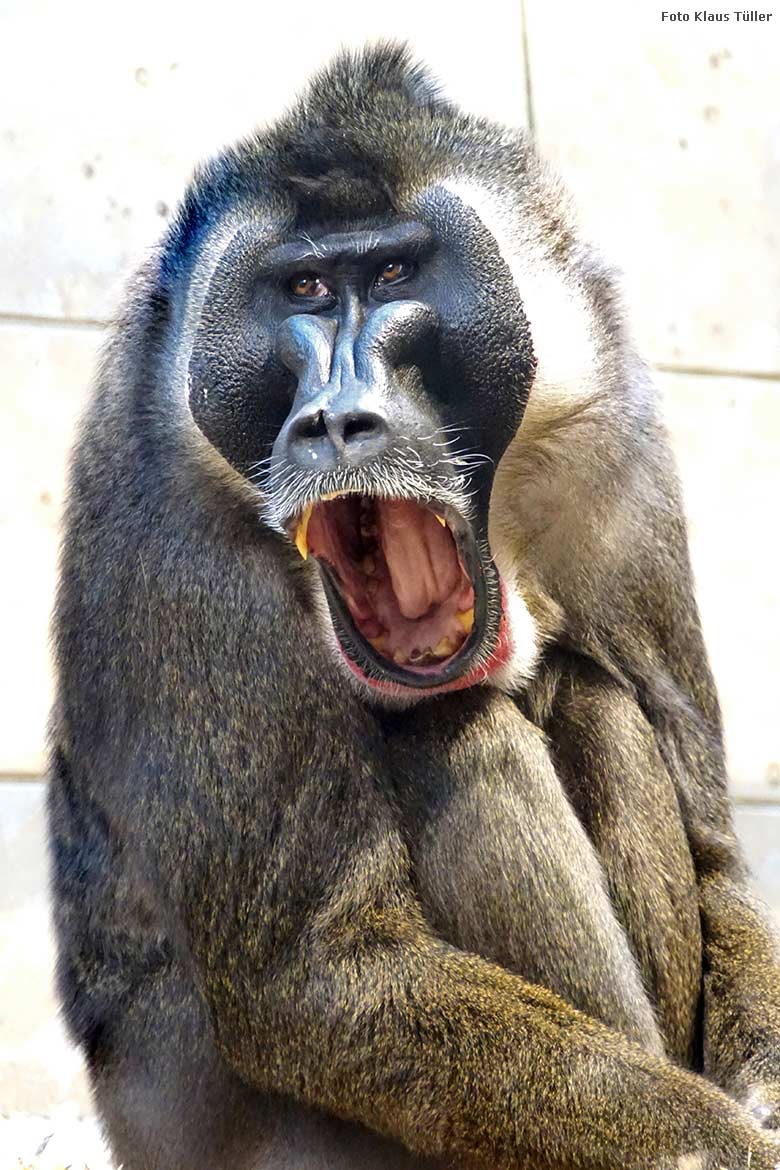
(341, 245)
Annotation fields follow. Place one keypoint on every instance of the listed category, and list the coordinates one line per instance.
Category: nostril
(323, 433)
(309, 426)
(362, 425)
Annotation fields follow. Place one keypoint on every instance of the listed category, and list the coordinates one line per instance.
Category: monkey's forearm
(741, 953)
(458, 1058)
(742, 988)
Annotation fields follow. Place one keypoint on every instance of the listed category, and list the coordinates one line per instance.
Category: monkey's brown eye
(392, 272)
(306, 284)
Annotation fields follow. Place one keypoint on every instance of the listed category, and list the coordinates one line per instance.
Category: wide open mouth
(401, 581)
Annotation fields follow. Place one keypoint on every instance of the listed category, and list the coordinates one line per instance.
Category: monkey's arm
(741, 947)
(621, 786)
(742, 992)
(458, 1059)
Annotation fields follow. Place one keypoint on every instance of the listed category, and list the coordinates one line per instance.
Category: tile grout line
(38, 322)
(98, 324)
(716, 372)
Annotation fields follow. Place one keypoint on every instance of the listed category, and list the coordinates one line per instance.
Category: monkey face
(368, 377)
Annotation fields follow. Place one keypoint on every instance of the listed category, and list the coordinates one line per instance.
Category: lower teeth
(445, 648)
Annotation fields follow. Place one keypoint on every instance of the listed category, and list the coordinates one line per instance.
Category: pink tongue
(420, 555)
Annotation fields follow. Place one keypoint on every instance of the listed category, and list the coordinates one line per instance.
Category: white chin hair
(526, 643)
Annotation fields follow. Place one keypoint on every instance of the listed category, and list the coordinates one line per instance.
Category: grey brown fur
(505, 927)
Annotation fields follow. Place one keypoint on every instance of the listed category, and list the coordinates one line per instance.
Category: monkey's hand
(705, 1161)
(763, 1101)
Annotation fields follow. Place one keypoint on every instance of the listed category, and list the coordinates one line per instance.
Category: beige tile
(669, 137)
(46, 372)
(727, 437)
(39, 1068)
(104, 121)
(758, 828)
(58, 1141)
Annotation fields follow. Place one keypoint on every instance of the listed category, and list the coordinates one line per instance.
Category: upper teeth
(300, 532)
(303, 524)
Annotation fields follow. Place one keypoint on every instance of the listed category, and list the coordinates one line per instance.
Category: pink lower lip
(498, 658)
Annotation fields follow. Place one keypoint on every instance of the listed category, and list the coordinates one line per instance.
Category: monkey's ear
(387, 66)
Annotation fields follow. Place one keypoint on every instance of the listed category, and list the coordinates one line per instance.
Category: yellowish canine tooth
(400, 658)
(300, 532)
(379, 643)
(441, 519)
(466, 620)
(443, 648)
(332, 495)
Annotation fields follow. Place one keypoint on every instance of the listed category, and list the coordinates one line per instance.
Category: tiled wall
(669, 138)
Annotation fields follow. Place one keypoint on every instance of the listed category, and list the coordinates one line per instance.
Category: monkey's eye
(306, 284)
(393, 272)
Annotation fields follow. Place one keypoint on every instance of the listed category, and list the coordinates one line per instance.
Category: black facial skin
(340, 381)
